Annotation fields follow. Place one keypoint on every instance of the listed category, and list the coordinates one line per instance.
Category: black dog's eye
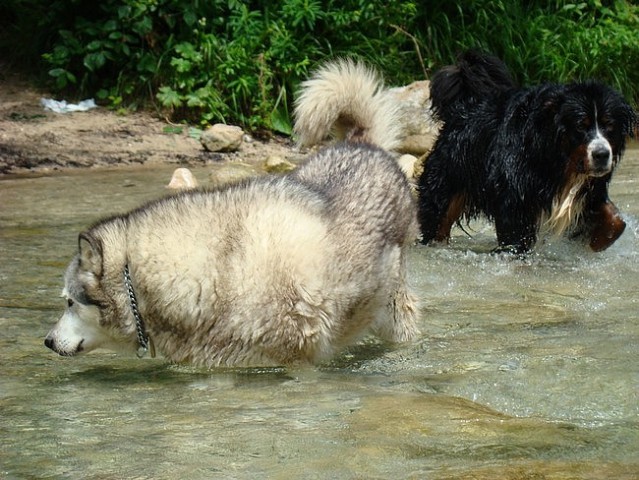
(585, 123)
(607, 124)
(69, 302)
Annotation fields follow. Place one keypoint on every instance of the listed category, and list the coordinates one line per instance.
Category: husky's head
(87, 322)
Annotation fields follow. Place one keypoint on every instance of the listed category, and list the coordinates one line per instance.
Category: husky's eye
(69, 302)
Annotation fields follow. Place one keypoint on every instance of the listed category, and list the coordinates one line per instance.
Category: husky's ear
(90, 253)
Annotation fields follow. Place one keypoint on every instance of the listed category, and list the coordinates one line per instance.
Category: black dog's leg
(515, 233)
(601, 219)
(439, 210)
(430, 213)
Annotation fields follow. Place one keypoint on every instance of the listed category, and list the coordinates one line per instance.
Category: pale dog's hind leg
(399, 322)
(405, 314)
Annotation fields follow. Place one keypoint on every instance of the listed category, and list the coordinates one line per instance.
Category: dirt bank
(34, 140)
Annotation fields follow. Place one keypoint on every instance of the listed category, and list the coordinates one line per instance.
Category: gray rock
(419, 129)
(407, 163)
(182, 179)
(277, 164)
(222, 138)
(226, 173)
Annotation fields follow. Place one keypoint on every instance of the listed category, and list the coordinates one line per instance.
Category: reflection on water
(526, 369)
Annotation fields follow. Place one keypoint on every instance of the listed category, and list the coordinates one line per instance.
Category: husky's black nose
(48, 342)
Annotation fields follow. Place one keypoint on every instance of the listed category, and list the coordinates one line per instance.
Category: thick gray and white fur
(275, 270)
(346, 100)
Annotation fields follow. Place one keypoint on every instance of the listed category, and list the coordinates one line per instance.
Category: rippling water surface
(525, 369)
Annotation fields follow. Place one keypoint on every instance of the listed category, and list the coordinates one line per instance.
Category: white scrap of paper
(63, 107)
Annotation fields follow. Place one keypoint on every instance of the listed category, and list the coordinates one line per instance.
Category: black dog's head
(593, 121)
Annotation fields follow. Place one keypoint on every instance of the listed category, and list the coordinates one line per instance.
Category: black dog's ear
(445, 87)
(90, 253)
(552, 104)
(549, 113)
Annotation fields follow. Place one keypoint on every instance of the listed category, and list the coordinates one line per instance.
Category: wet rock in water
(222, 138)
(277, 164)
(481, 443)
(231, 173)
(182, 179)
(407, 163)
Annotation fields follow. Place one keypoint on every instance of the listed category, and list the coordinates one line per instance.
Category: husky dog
(270, 271)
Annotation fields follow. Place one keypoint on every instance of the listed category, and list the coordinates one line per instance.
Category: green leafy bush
(218, 61)
(240, 62)
(556, 41)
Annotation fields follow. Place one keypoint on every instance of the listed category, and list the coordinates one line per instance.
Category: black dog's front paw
(514, 250)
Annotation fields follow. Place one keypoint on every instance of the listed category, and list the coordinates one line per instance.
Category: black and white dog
(524, 157)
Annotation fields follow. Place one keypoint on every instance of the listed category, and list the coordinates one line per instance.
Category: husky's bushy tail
(347, 100)
(475, 76)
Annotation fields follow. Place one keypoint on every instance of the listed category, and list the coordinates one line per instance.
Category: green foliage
(237, 61)
(544, 41)
(215, 61)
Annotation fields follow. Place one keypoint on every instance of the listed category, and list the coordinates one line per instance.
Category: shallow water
(525, 369)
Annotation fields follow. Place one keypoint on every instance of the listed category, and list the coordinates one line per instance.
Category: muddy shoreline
(37, 141)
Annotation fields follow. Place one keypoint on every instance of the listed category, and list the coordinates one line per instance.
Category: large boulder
(419, 129)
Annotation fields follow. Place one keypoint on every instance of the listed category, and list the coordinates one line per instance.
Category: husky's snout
(61, 348)
(75, 332)
(65, 348)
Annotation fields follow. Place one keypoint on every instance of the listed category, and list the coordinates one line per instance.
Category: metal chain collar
(143, 339)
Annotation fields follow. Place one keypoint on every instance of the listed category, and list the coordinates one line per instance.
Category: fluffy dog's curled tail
(476, 76)
(346, 99)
